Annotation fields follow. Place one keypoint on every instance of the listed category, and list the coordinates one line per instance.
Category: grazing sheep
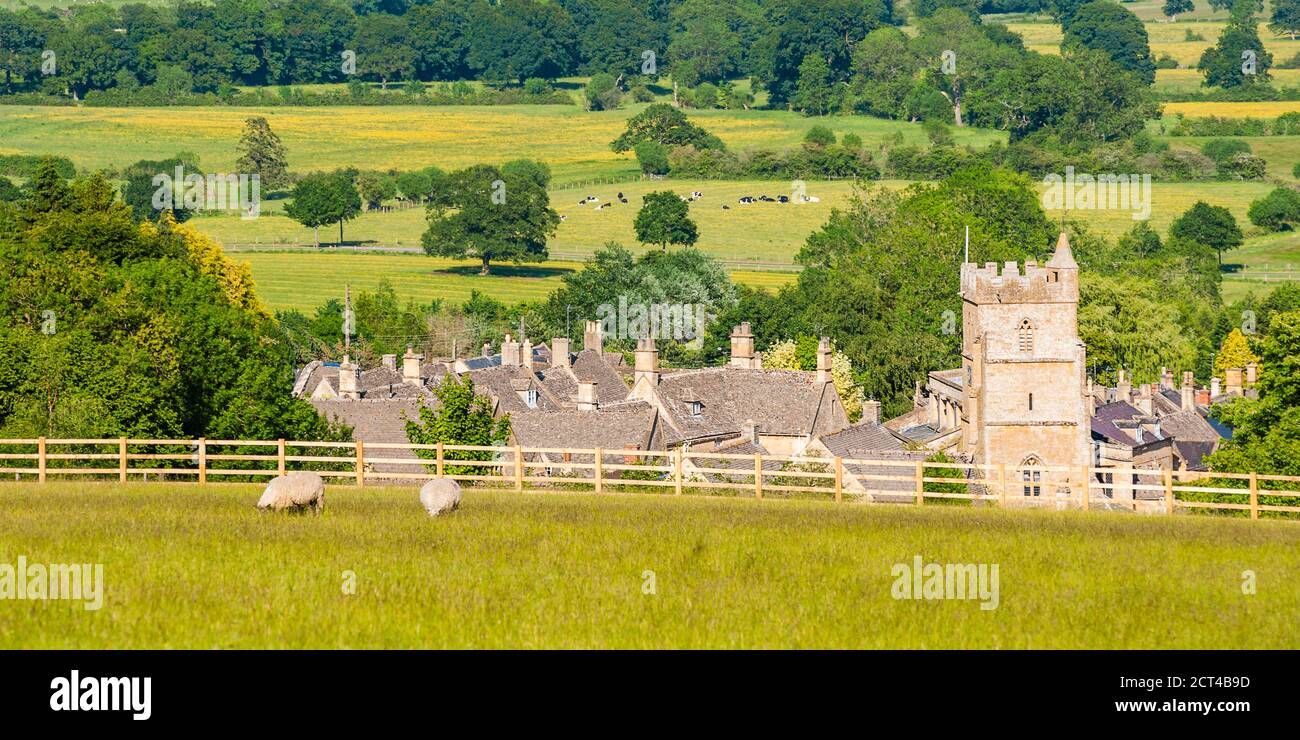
(297, 490)
(440, 496)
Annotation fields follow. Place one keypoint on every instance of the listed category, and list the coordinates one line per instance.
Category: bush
(1166, 62)
(1276, 211)
(642, 94)
(536, 86)
(819, 136)
(1243, 167)
(653, 157)
(1223, 150)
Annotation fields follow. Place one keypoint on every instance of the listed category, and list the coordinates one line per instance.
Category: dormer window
(696, 407)
(1025, 336)
(532, 398)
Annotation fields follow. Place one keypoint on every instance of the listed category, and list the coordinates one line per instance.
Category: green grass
(760, 232)
(198, 567)
(307, 279)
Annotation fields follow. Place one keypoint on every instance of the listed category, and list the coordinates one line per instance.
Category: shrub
(653, 157)
(1276, 211)
(1222, 150)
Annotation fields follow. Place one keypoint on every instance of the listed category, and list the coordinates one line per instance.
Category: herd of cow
(696, 195)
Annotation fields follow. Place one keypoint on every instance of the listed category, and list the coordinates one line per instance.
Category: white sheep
(296, 490)
(440, 496)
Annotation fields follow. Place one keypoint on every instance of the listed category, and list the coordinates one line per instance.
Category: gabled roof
(784, 402)
(859, 440)
(378, 420)
(590, 365)
(618, 426)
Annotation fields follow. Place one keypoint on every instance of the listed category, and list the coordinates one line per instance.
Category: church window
(1032, 479)
(1026, 336)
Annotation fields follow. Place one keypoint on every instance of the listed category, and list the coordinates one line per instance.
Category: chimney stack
(411, 366)
(1252, 373)
(526, 354)
(742, 347)
(509, 352)
(1214, 387)
(560, 352)
(871, 411)
(749, 431)
(1203, 397)
(592, 337)
(1124, 390)
(587, 395)
(647, 362)
(348, 379)
(1233, 375)
(1144, 399)
(1188, 391)
(824, 360)
(1166, 379)
(1090, 399)
(390, 362)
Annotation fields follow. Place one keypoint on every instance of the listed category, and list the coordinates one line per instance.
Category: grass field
(574, 142)
(307, 279)
(192, 567)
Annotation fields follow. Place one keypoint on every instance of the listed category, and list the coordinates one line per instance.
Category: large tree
(383, 46)
(490, 214)
(1238, 59)
(322, 199)
(1110, 28)
(797, 28)
(665, 219)
(1213, 226)
(518, 39)
(262, 153)
(1286, 17)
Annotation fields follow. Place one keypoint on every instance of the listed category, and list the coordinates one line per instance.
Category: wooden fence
(835, 479)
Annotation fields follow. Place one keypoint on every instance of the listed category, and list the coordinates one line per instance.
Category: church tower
(1023, 369)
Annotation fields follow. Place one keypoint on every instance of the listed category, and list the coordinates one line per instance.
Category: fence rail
(696, 472)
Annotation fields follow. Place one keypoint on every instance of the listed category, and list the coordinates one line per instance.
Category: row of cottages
(1023, 396)
(557, 398)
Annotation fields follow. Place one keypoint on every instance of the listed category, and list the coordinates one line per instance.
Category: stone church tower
(1023, 369)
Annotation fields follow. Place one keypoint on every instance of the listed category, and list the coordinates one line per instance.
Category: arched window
(1026, 336)
(1032, 479)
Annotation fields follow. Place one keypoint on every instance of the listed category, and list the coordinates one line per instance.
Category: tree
(21, 42)
(1173, 8)
(814, 92)
(653, 157)
(262, 153)
(801, 354)
(665, 219)
(518, 39)
(666, 125)
(375, 188)
(819, 136)
(1276, 211)
(383, 48)
(322, 199)
(490, 214)
(140, 188)
(708, 43)
(1213, 226)
(440, 36)
(1235, 352)
(1238, 59)
(1266, 431)
(827, 28)
(1286, 17)
(602, 92)
(462, 417)
(1115, 30)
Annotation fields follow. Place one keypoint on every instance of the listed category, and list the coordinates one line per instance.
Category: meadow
(197, 567)
(305, 279)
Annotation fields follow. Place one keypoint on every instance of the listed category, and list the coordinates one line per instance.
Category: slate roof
(859, 440)
(614, 427)
(610, 387)
(504, 383)
(1103, 422)
(779, 401)
(378, 420)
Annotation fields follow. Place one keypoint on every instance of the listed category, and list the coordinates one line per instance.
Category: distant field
(1165, 38)
(197, 567)
(761, 232)
(307, 279)
(574, 142)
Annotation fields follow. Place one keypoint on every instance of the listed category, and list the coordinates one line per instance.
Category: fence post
(519, 469)
(600, 471)
(280, 451)
(1169, 491)
(361, 464)
(1085, 494)
(758, 476)
(40, 462)
(920, 482)
(442, 465)
(839, 479)
(121, 459)
(203, 460)
(1254, 495)
(677, 472)
(1002, 484)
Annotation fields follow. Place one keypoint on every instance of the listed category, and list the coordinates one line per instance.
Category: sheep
(439, 496)
(296, 490)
